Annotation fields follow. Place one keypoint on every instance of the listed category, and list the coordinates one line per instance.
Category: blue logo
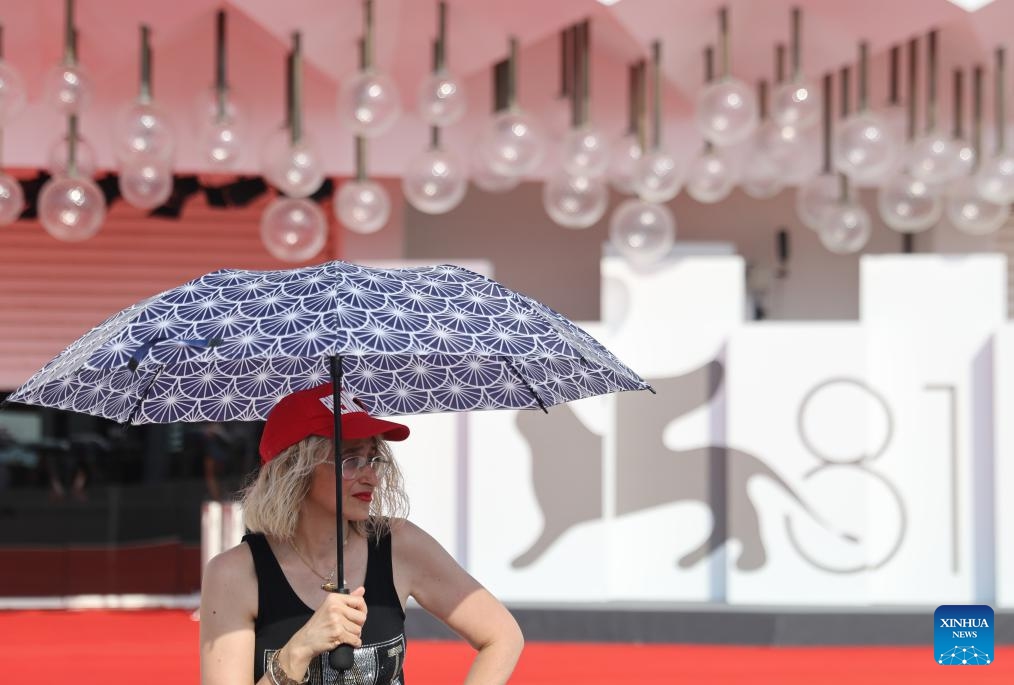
(963, 635)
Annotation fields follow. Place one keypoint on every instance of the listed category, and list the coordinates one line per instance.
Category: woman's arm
(228, 609)
(424, 570)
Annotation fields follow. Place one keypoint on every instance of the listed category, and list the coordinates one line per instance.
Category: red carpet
(101, 647)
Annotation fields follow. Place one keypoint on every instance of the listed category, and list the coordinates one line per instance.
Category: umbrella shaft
(336, 384)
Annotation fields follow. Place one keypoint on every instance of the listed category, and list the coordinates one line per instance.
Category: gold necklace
(328, 585)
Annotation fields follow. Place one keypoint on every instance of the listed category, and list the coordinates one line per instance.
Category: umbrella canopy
(228, 345)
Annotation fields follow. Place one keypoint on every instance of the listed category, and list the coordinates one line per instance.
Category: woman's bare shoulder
(231, 575)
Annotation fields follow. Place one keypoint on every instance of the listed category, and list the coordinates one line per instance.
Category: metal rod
(584, 33)
(367, 35)
(826, 112)
(723, 41)
(296, 124)
(575, 75)
(780, 63)
(845, 105)
(762, 99)
(437, 56)
(512, 74)
(864, 76)
(978, 75)
(632, 89)
(72, 135)
(931, 81)
(145, 93)
(656, 113)
(797, 44)
(288, 90)
(566, 61)
(913, 81)
(441, 52)
(360, 159)
(709, 76)
(641, 106)
(221, 84)
(959, 109)
(894, 79)
(500, 70)
(69, 34)
(845, 76)
(1001, 117)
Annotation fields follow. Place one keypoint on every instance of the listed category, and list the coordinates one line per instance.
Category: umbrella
(228, 345)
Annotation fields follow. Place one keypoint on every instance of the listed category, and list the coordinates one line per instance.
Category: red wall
(51, 292)
(168, 568)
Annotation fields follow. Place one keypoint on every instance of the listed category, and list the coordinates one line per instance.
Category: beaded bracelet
(279, 676)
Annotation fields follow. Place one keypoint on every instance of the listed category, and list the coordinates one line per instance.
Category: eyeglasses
(353, 466)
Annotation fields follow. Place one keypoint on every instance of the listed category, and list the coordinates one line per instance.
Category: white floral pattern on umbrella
(228, 345)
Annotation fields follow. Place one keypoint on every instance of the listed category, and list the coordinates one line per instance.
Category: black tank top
(280, 613)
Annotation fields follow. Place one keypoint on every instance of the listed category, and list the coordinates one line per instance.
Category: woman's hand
(338, 620)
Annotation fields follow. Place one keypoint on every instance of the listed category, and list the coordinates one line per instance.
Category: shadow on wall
(567, 457)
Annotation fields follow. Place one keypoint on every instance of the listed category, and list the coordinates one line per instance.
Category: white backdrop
(780, 463)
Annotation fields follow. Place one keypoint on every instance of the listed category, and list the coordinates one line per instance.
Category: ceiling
(259, 36)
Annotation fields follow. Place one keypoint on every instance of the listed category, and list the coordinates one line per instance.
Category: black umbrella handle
(340, 657)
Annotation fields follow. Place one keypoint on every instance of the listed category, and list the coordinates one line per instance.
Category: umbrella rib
(141, 396)
(531, 388)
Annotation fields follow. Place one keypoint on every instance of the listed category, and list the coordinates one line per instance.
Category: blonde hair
(274, 496)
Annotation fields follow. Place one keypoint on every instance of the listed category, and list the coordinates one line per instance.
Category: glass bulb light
(294, 168)
(146, 182)
(995, 178)
(643, 232)
(727, 112)
(846, 228)
(909, 205)
(67, 88)
(623, 163)
(575, 201)
(761, 178)
(369, 103)
(936, 158)
(796, 103)
(12, 199)
(293, 229)
(815, 198)
(143, 129)
(512, 144)
(12, 93)
(793, 151)
(207, 108)
(362, 206)
(657, 176)
(970, 213)
(711, 177)
(442, 99)
(56, 159)
(71, 208)
(222, 143)
(435, 182)
(865, 148)
(490, 181)
(585, 151)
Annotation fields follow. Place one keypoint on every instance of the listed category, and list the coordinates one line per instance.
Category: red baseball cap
(310, 412)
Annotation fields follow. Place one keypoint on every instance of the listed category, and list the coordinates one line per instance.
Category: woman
(267, 615)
